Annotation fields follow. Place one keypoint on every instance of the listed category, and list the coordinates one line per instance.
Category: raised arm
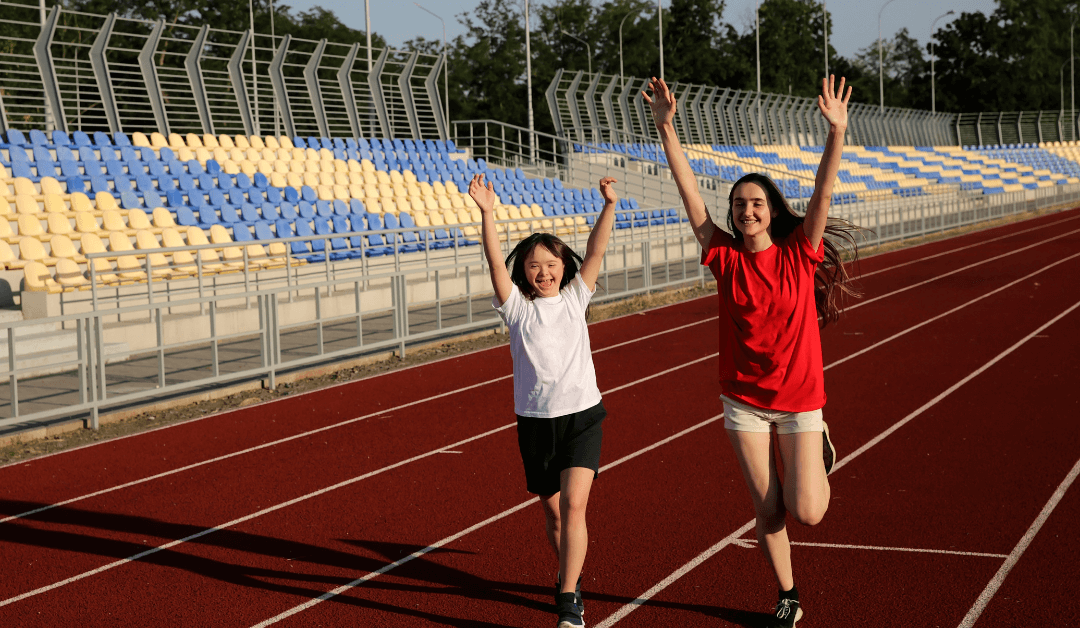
(601, 232)
(662, 104)
(835, 111)
(485, 198)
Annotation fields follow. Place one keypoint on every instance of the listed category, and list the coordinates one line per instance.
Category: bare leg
(552, 520)
(574, 540)
(755, 454)
(806, 487)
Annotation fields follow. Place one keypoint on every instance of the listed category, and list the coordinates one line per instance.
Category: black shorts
(550, 445)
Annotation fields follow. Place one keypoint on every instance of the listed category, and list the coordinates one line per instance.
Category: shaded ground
(157, 418)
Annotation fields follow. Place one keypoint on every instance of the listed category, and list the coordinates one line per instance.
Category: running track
(399, 500)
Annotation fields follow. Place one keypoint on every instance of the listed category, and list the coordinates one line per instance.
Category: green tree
(792, 48)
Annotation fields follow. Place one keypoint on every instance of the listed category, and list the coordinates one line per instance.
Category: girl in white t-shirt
(543, 299)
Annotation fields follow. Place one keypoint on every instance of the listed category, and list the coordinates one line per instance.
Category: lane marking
(731, 538)
(964, 248)
(506, 513)
(958, 270)
(1018, 551)
(695, 562)
(286, 439)
(752, 544)
(323, 491)
(955, 309)
(333, 386)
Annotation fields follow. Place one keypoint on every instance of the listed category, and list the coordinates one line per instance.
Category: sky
(854, 21)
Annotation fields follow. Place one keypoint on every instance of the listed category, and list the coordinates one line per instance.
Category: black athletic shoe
(569, 611)
(828, 451)
(787, 613)
(577, 592)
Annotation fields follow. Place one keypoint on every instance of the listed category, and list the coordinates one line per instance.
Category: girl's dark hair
(516, 261)
(832, 282)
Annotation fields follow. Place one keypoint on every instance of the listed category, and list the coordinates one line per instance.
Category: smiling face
(544, 271)
(752, 214)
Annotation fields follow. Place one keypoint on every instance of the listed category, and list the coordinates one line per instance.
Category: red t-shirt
(770, 346)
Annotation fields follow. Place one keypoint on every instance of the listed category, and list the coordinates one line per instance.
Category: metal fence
(90, 72)
(1016, 127)
(609, 108)
(195, 341)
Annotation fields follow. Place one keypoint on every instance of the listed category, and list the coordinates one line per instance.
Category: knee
(810, 513)
(573, 507)
(770, 519)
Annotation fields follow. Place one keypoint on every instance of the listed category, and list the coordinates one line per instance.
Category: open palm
(832, 107)
(662, 101)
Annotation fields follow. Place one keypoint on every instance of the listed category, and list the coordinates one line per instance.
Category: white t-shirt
(549, 341)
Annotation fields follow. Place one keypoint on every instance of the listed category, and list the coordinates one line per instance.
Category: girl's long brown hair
(832, 282)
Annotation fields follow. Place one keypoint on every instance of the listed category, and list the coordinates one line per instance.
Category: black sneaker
(569, 611)
(828, 451)
(787, 613)
(577, 592)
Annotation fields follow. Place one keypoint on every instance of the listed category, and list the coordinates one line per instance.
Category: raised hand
(607, 191)
(484, 195)
(832, 107)
(662, 102)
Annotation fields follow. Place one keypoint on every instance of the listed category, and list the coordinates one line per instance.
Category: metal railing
(268, 330)
(90, 72)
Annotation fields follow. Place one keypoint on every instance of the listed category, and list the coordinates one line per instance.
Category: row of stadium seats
(63, 193)
(868, 172)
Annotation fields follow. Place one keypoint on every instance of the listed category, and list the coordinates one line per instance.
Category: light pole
(660, 27)
(367, 27)
(622, 79)
(1072, 81)
(446, 65)
(588, 48)
(825, 28)
(528, 87)
(881, 65)
(933, 95)
(757, 39)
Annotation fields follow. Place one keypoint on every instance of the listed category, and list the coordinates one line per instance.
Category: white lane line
(958, 270)
(752, 544)
(241, 452)
(1018, 551)
(417, 554)
(964, 248)
(955, 309)
(317, 493)
(731, 538)
(333, 386)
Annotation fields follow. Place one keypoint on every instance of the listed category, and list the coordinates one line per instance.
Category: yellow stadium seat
(354, 166)
(102, 268)
(6, 232)
(5, 209)
(50, 185)
(139, 138)
(86, 223)
(59, 224)
(226, 142)
(8, 259)
(139, 221)
(30, 225)
(278, 180)
(209, 142)
(127, 266)
(61, 247)
(183, 262)
(366, 165)
(256, 142)
(158, 141)
(210, 259)
(241, 142)
(160, 265)
(32, 250)
(70, 275)
(193, 141)
(112, 220)
(37, 278)
(272, 142)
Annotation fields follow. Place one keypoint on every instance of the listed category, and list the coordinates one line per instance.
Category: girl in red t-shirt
(775, 276)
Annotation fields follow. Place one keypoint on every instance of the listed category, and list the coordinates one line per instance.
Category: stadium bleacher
(142, 193)
(868, 172)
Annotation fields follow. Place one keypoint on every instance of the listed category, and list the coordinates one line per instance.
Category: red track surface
(399, 500)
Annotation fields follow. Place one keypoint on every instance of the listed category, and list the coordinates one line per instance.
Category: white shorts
(741, 417)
